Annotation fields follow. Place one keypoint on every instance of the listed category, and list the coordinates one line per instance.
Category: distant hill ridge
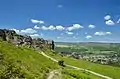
(24, 40)
(85, 43)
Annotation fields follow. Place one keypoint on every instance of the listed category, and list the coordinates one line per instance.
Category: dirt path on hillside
(92, 72)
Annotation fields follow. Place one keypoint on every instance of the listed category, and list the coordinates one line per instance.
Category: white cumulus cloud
(102, 33)
(37, 21)
(107, 17)
(74, 27)
(110, 22)
(36, 27)
(28, 31)
(91, 26)
(88, 37)
(60, 27)
(44, 28)
(51, 27)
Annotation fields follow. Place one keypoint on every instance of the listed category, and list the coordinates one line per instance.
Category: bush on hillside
(61, 63)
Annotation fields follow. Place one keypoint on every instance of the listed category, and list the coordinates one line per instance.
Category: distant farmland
(88, 47)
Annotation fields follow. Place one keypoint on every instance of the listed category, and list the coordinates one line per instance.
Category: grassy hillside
(69, 73)
(28, 62)
(107, 70)
(24, 63)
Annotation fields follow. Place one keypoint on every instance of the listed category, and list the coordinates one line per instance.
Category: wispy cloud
(88, 37)
(69, 33)
(58, 37)
(102, 33)
(118, 20)
(60, 6)
(86, 33)
(74, 37)
(37, 21)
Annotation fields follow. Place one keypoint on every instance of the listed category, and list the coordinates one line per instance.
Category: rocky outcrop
(51, 44)
(20, 40)
(2, 35)
(27, 41)
(38, 43)
(9, 35)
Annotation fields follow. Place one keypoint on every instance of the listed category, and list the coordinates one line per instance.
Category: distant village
(95, 58)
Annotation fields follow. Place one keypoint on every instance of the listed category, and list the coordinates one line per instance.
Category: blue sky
(63, 20)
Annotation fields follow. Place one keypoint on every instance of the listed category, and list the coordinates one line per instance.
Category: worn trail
(92, 72)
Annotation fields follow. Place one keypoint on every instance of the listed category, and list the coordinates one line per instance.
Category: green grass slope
(111, 71)
(24, 63)
(69, 73)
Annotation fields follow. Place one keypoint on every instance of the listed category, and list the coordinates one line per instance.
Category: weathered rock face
(27, 41)
(19, 40)
(2, 35)
(51, 44)
(37, 43)
(9, 35)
